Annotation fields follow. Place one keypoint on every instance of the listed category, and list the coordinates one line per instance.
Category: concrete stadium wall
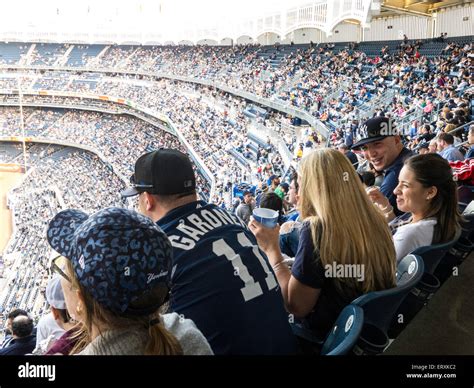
(304, 35)
(393, 28)
(244, 39)
(268, 38)
(458, 21)
(226, 42)
(344, 32)
(208, 42)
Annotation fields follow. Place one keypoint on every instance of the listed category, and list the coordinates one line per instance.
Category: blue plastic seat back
(408, 268)
(345, 332)
(468, 227)
(380, 306)
(433, 254)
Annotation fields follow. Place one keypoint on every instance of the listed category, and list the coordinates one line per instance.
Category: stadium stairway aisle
(446, 325)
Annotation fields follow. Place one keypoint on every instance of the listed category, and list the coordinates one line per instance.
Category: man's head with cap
(423, 147)
(55, 297)
(116, 258)
(163, 180)
(273, 181)
(380, 141)
(54, 293)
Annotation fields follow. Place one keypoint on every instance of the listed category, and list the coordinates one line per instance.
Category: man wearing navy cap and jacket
(220, 278)
(382, 146)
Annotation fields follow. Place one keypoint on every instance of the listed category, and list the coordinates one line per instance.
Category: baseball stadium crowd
(59, 177)
(399, 127)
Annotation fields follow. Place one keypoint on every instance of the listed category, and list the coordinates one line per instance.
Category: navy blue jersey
(224, 283)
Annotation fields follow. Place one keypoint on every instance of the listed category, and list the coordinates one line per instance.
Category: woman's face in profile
(411, 195)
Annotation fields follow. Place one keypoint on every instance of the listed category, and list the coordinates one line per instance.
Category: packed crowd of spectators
(305, 77)
(334, 86)
(59, 177)
(428, 98)
(119, 138)
(191, 109)
(340, 88)
(337, 87)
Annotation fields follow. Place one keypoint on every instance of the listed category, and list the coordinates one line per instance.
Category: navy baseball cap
(165, 171)
(271, 179)
(117, 255)
(375, 129)
(423, 144)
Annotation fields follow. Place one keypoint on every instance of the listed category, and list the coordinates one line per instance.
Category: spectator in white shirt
(426, 189)
(48, 330)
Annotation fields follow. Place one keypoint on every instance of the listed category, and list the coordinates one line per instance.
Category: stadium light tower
(22, 122)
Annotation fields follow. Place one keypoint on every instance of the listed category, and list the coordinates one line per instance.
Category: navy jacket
(390, 180)
(19, 346)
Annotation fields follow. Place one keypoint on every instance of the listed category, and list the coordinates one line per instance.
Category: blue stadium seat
(407, 269)
(460, 250)
(380, 306)
(345, 332)
(433, 254)
(468, 226)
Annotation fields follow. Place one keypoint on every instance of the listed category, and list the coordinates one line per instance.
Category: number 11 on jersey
(252, 289)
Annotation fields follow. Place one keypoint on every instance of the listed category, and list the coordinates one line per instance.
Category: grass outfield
(8, 180)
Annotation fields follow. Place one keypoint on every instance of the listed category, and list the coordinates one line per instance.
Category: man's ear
(150, 201)
(55, 313)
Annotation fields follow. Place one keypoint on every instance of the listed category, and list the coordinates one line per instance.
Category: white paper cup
(267, 217)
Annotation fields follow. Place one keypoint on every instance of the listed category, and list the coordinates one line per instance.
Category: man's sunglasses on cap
(138, 186)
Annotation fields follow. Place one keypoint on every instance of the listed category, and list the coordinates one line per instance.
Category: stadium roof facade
(165, 21)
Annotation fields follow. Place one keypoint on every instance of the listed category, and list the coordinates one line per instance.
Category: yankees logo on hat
(375, 129)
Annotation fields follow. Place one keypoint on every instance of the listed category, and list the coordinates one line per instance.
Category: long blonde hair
(160, 340)
(346, 227)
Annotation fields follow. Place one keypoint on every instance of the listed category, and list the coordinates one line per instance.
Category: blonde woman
(345, 247)
(115, 267)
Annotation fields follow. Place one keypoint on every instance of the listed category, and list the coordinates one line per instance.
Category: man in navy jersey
(220, 278)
